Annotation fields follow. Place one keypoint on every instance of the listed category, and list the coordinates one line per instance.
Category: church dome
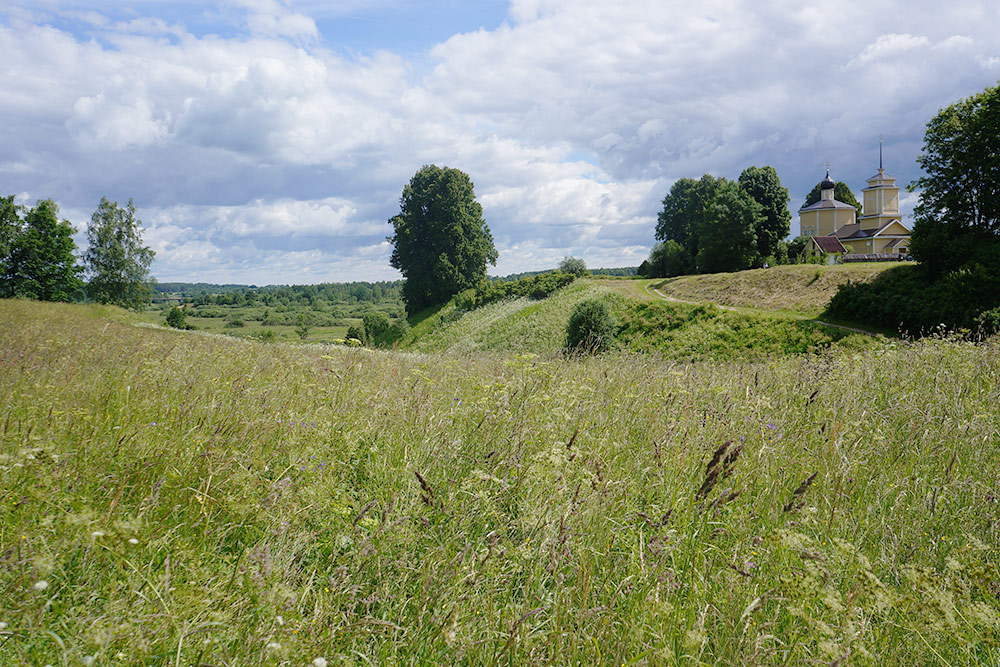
(827, 183)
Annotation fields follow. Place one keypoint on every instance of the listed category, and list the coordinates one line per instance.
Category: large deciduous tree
(116, 261)
(957, 221)
(764, 186)
(684, 208)
(38, 259)
(727, 233)
(441, 242)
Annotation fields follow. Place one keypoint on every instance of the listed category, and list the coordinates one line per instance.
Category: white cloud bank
(270, 156)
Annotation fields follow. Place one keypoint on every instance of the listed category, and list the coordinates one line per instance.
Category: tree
(764, 186)
(684, 209)
(117, 263)
(591, 327)
(375, 323)
(441, 242)
(40, 262)
(176, 319)
(727, 236)
(841, 192)
(574, 266)
(666, 260)
(957, 221)
(10, 227)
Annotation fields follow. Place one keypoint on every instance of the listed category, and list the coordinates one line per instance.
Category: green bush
(175, 319)
(909, 299)
(537, 287)
(591, 327)
(355, 332)
(376, 324)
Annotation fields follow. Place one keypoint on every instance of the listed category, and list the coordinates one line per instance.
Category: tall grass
(174, 498)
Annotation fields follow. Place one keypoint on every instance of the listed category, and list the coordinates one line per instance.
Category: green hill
(646, 324)
(798, 288)
(174, 497)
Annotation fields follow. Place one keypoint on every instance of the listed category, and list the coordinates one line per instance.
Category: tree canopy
(116, 261)
(957, 220)
(764, 186)
(841, 192)
(713, 224)
(574, 266)
(37, 257)
(441, 242)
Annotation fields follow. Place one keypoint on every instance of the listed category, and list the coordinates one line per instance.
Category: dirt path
(655, 293)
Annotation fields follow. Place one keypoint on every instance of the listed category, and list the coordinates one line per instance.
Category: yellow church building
(835, 229)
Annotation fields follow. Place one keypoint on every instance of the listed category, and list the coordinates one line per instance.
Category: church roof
(825, 203)
(854, 231)
(829, 244)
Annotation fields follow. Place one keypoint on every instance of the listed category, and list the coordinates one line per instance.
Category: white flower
(273, 646)
(281, 621)
(3, 626)
(319, 662)
(132, 540)
(40, 585)
(87, 660)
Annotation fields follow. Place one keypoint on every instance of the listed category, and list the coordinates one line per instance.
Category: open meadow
(179, 498)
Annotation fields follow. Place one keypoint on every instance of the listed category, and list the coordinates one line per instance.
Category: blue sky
(267, 141)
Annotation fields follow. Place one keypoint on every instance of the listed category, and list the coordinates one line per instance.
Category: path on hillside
(652, 291)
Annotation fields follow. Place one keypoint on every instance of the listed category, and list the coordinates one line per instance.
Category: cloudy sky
(268, 141)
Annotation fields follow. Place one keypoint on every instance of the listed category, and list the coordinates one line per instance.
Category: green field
(177, 498)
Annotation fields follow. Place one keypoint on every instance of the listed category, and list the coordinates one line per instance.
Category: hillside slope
(646, 325)
(799, 288)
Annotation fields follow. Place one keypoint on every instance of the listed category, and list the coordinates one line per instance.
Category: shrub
(233, 323)
(591, 327)
(175, 319)
(354, 332)
(537, 287)
(375, 323)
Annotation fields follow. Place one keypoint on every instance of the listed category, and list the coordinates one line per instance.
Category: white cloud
(269, 149)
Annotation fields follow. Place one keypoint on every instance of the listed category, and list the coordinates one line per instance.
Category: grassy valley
(173, 497)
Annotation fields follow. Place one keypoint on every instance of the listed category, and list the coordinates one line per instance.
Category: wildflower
(280, 620)
(319, 662)
(3, 626)
(132, 540)
(40, 585)
(87, 660)
(273, 646)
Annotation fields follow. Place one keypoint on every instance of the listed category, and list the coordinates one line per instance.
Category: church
(878, 234)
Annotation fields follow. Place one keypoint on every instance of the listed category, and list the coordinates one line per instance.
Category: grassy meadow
(803, 289)
(178, 498)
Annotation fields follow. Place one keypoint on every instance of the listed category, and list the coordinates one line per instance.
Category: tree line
(713, 224)
(38, 257)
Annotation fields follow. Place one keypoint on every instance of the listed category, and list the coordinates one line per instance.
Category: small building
(829, 247)
(878, 234)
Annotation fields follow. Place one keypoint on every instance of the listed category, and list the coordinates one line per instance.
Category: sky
(268, 141)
